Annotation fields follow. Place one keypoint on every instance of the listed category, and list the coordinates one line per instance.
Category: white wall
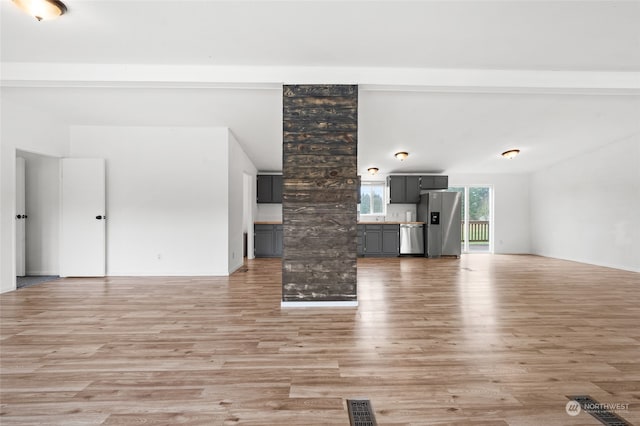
(239, 165)
(167, 197)
(267, 212)
(587, 209)
(30, 130)
(398, 212)
(510, 209)
(43, 211)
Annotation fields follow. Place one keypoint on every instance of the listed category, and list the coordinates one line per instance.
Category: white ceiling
(454, 83)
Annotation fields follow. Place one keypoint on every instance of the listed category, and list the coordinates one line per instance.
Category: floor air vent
(599, 411)
(361, 413)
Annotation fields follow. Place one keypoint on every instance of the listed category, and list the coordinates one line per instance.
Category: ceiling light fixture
(373, 170)
(511, 153)
(402, 155)
(42, 9)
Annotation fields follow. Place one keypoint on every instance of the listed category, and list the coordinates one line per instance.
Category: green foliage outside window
(479, 203)
(372, 198)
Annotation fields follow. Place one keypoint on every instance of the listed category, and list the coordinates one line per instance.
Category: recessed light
(511, 153)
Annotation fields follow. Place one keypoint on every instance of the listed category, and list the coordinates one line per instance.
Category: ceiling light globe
(512, 153)
(42, 9)
(401, 155)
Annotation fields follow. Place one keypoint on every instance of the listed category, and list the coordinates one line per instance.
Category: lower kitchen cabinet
(379, 240)
(360, 240)
(267, 241)
(391, 240)
(372, 240)
(277, 240)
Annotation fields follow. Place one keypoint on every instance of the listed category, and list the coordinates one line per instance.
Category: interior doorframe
(32, 162)
(17, 210)
(248, 190)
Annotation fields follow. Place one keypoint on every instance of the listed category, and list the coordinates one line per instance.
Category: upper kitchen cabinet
(276, 188)
(434, 182)
(269, 188)
(404, 189)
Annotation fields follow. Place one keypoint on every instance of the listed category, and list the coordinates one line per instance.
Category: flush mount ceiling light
(511, 153)
(42, 9)
(402, 155)
(373, 170)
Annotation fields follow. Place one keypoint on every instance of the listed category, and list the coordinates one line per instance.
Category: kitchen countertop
(359, 223)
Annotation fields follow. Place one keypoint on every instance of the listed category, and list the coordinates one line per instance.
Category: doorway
(37, 229)
(476, 218)
(248, 199)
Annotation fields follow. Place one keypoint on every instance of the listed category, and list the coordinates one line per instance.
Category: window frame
(370, 184)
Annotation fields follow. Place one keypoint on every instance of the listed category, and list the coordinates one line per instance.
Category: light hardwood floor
(481, 340)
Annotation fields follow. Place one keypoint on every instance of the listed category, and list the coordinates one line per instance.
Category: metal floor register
(361, 412)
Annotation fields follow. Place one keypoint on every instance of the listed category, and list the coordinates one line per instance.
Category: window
(372, 198)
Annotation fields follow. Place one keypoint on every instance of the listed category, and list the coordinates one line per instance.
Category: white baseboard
(42, 273)
(327, 304)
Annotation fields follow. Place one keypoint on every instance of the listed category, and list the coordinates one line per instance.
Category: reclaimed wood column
(320, 126)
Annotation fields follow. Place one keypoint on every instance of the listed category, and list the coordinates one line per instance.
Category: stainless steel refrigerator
(440, 211)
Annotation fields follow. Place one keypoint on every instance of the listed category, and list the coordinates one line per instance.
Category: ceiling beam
(21, 74)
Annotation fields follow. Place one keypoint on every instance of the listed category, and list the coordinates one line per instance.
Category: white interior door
(83, 217)
(21, 217)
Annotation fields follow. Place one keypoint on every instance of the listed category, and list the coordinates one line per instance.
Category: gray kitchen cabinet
(397, 189)
(391, 240)
(379, 240)
(277, 240)
(404, 189)
(360, 240)
(267, 241)
(264, 189)
(434, 182)
(276, 188)
(373, 240)
(269, 188)
(412, 189)
(263, 240)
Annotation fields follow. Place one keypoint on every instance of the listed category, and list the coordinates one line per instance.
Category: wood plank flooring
(481, 340)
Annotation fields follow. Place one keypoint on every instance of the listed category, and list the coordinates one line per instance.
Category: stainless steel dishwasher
(411, 238)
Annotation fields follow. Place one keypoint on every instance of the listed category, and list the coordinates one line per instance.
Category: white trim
(35, 74)
(327, 304)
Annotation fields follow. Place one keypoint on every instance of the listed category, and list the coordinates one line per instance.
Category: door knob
(99, 217)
